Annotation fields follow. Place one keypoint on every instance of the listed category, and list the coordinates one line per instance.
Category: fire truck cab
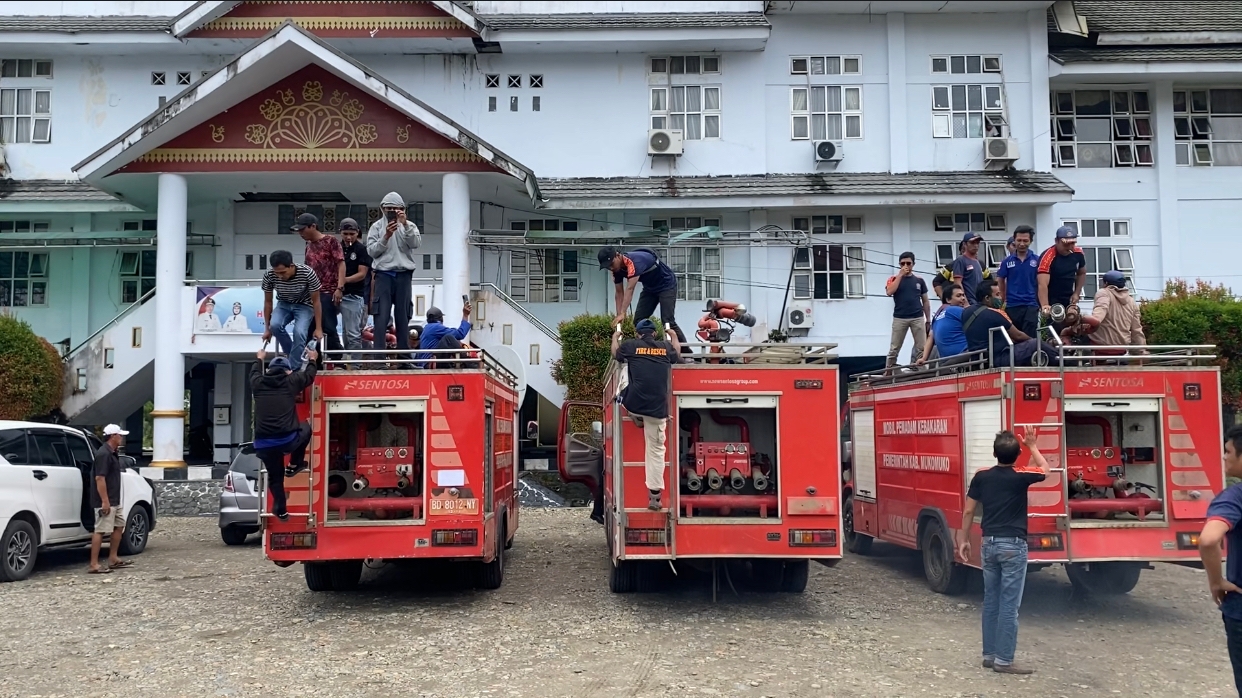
(751, 468)
(405, 463)
(1132, 441)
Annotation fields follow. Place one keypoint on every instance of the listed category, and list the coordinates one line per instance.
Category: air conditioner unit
(800, 316)
(1000, 149)
(829, 151)
(662, 141)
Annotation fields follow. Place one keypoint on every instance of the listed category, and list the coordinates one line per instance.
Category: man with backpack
(658, 280)
(277, 430)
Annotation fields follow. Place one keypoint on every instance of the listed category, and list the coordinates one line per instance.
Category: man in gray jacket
(391, 242)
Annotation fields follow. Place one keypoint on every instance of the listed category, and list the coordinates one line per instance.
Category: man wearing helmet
(649, 362)
(277, 431)
(1117, 313)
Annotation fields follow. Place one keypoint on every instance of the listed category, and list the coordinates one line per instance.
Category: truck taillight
(1188, 541)
(291, 541)
(826, 538)
(228, 482)
(645, 536)
(1044, 541)
(466, 536)
(1192, 391)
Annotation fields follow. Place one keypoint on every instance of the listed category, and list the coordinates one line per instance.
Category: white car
(45, 473)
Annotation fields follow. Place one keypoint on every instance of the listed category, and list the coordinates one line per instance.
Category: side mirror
(597, 430)
(129, 462)
(532, 430)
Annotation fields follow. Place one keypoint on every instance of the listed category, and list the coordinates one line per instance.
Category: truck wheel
(18, 551)
(796, 574)
(855, 542)
(944, 575)
(623, 577)
(492, 574)
(345, 574)
(767, 575)
(1104, 578)
(137, 530)
(318, 576)
(234, 535)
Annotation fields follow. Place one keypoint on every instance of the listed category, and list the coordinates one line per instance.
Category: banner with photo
(228, 310)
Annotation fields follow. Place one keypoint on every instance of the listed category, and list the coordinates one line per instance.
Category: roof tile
(1109, 16)
(84, 25)
(50, 190)
(1121, 54)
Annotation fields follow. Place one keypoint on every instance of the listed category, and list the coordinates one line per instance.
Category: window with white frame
(826, 112)
(993, 252)
(692, 109)
(548, 275)
(829, 272)
(967, 111)
(983, 223)
(23, 279)
(1099, 239)
(825, 65)
(965, 65)
(1101, 128)
(24, 227)
(683, 223)
(830, 224)
(684, 65)
(25, 115)
(1208, 127)
(697, 270)
(25, 68)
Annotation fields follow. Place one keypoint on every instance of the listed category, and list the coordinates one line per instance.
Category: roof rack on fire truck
(465, 359)
(774, 353)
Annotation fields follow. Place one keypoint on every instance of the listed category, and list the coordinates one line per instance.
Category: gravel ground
(197, 618)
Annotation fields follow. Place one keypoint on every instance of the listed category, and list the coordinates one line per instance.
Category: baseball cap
(1115, 278)
(1066, 232)
(348, 224)
(968, 237)
(113, 429)
(280, 363)
(605, 257)
(305, 220)
(645, 327)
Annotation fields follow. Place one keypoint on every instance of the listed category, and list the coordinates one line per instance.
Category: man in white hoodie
(391, 242)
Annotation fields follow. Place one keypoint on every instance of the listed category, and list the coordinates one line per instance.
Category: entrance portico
(287, 117)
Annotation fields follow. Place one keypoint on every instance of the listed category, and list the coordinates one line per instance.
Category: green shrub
(1201, 314)
(31, 372)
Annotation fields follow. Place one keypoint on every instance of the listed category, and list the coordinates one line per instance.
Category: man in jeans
(391, 242)
(323, 256)
(658, 280)
(1001, 490)
(1223, 516)
(649, 362)
(297, 294)
(353, 301)
(911, 310)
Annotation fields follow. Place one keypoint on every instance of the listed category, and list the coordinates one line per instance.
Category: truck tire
(944, 575)
(345, 574)
(767, 575)
(137, 531)
(233, 535)
(623, 577)
(796, 574)
(492, 574)
(855, 542)
(19, 550)
(318, 576)
(1104, 578)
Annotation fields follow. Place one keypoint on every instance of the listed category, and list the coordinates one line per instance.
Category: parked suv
(239, 501)
(45, 481)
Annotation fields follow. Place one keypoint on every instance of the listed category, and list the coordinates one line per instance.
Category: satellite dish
(507, 357)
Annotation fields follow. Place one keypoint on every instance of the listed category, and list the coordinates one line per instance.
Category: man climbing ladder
(277, 431)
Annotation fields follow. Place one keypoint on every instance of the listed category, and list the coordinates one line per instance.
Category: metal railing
(107, 325)
(1141, 355)
(759, 353)
(495, 290)
(464, 359)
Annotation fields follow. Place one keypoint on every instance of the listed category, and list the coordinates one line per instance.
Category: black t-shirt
(650, 363)
(908, 298)
(1062, 271)
(108, 466)
(1001, 490)
(978, 322)
(355, 256)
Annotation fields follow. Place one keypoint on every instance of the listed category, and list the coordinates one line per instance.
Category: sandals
(101, 570)
(121, 565)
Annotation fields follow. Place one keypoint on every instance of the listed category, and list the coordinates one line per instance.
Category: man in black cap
(324, 257)
(353, 301)
(659, 285)
(437, 335)
(277, 431)
(1062, 271)
(967, 269)
(649, 362)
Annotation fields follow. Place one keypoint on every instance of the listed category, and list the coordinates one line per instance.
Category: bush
(31, 372)
(1201, 314)
(586, 349)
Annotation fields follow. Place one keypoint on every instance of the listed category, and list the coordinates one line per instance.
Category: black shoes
(294, 469)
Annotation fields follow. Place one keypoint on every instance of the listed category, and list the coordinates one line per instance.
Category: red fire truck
(1133, 445)
(404, 464)
(752, 469)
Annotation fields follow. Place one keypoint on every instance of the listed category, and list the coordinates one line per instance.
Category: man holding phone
(391, 242)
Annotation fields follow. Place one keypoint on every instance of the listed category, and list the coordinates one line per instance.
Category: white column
(898, 147)
(455, 214)
(169, 403)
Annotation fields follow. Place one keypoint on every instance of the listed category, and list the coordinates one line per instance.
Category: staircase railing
(495, 290)
(108, 325)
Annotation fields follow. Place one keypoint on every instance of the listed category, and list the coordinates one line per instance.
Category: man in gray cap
(391, 242)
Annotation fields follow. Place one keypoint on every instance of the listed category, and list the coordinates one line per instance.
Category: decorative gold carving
(266, 24)
(403, 133)
(217, 133)
(312, 91)
(311, 124)
(318, 155)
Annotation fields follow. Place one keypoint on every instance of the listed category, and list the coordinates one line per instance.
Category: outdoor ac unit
(829, 151)
(800, 316)
(662, 141)
(1000, 149)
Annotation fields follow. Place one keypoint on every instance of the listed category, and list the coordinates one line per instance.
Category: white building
(519, 134)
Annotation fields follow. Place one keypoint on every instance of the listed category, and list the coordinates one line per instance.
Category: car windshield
(247, 463)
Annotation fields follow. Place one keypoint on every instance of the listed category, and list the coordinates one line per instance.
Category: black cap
(434, 314)
(605, 257)
(347, 224)
(305, 220)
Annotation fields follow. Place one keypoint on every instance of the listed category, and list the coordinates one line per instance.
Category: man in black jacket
(277, 431)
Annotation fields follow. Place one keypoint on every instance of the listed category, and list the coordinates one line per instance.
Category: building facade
(779, 154)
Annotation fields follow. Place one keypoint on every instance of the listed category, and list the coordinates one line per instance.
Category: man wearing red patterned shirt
(326, 258)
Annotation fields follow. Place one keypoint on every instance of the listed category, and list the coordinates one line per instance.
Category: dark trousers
(392, 297)
(667, 300)
(445, 360)
(1024, 317)
(1024, 353)
(327, 309)
(1233, 639)
(274, 461)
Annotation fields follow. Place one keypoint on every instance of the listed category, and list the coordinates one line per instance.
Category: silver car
(239, 501)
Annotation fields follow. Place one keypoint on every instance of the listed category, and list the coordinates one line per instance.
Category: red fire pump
(1094, 470)
(719, 318)
(713, 461)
